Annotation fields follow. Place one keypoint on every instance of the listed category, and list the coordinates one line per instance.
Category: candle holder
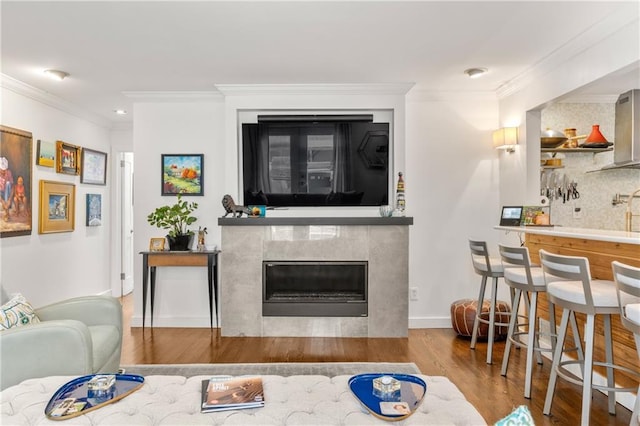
(386, 388)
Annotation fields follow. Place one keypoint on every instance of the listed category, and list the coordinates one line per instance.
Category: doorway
(126, 223)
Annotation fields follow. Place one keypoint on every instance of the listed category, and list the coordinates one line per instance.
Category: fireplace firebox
(311, 289)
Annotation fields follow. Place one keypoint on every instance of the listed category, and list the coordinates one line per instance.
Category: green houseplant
(176, 218)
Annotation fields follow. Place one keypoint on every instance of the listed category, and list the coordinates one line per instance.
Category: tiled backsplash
(596, 188)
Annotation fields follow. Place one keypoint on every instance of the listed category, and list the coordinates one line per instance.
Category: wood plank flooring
(437, 352)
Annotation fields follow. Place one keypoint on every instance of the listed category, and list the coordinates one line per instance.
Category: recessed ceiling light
(57, 74)
(120, 111)
(475, 72)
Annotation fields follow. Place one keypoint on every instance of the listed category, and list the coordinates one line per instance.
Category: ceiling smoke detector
(57, 74)
(475, 72)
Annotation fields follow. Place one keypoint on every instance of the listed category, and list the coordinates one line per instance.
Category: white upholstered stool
(526, 281)
(569, 285)
(486, 267)
(627, 279)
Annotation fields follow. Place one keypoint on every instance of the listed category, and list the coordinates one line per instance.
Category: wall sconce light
(506, 138)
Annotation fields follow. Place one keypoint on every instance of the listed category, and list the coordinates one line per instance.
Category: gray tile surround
(245, 247)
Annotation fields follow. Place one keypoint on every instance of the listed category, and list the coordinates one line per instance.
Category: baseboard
(430, 322)
(178, 322)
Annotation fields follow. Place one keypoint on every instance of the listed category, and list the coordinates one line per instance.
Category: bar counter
(601, 247)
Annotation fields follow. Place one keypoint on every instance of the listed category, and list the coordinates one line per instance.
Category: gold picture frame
(156, 244)
(68, 158)
(15, 168)
(57, 207)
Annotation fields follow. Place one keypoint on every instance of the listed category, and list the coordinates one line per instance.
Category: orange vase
(595, 136)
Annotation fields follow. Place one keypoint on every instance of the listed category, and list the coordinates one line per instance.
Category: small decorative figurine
(231, 207)
(201, 234)
(400, 202)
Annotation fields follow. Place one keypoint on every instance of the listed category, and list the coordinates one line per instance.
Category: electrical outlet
(413, 293)
(577, 212)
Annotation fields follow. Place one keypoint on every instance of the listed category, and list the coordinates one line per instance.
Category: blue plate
(75, 392)
(412, 391)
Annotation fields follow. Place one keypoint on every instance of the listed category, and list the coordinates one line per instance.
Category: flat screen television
(315, 160)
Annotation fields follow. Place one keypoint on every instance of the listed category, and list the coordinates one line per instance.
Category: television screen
(315, 161)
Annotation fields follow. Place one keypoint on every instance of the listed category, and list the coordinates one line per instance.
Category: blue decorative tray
(393, 407)
(72, 399)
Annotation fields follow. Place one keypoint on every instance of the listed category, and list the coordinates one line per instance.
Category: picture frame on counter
(156, 244)
(67, 158)
(57, 207)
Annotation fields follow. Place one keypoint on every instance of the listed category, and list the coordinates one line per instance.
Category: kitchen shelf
(594, 150)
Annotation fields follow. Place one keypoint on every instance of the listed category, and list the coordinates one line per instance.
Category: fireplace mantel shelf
(305, 221)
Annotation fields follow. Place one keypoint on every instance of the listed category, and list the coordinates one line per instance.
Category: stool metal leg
(587, 377)
(492, 320)
(557, 355)
(513, 322)
(476, 322)
(531, 339)
(608, 348)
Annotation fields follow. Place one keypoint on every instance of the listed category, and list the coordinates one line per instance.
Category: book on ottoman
(232, 393)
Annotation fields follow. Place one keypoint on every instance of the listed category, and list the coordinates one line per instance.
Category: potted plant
(176, 218)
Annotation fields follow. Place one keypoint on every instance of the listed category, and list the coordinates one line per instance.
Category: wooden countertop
(582, 233)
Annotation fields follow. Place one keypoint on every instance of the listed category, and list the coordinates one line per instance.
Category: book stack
(221, 393)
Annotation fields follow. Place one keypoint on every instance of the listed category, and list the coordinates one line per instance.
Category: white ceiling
(114, 47)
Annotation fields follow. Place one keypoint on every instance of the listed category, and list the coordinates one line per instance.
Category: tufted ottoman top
(293, 400)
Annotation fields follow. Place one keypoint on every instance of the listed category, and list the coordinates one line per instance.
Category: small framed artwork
(94, 167)
(15, 182)
(182, 174)
(156, 244)
(46, 154)
(94, 210)
(67, 158)
(57, 207)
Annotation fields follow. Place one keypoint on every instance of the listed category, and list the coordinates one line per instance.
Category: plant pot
(179, 242)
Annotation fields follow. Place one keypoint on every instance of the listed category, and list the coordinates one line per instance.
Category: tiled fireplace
(378, 246)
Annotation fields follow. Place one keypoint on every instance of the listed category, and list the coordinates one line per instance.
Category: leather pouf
(463, 314)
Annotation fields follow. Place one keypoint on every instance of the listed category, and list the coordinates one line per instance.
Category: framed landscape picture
(94, 167)
(67, 158)
(15, 182)
(182, 174)
(46, 154)
(57, 207)
(94, 210)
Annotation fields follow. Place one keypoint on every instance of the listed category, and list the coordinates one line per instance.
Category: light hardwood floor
(437, 352)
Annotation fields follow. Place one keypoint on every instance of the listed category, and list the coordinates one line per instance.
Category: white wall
(50, 267)
(452, 191)
(177, 127)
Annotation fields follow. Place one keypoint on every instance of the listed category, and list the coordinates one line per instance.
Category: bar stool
(526, 281)
(569, 285)
(486, 267)
(627, 279)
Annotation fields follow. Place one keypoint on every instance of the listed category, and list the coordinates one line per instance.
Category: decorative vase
(179, 242)
(400, 201)
(595, 136)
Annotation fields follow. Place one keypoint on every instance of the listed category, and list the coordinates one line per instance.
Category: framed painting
(94, 210)
(57, 207)
(16, 147)
(93, 167)
(67, 158)
(182, 174)
(45, 154)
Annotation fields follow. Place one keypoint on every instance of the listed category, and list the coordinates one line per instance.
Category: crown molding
(450, 96)
(53, 101)
(567, 52)
(314, 89)
(589, 99)
(174, 96)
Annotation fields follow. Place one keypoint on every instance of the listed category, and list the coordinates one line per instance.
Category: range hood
(626, 147)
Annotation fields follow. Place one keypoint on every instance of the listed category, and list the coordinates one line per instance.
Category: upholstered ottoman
(463, 314)
(293, 400)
